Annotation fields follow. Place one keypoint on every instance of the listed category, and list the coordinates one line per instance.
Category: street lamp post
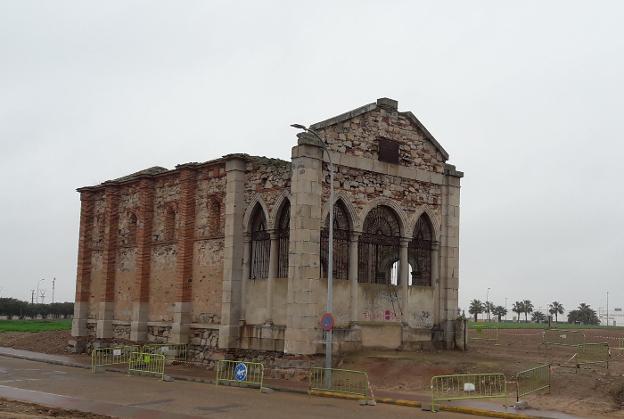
(37, 295)
(330, 258)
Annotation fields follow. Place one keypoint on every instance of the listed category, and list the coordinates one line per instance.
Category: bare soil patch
(53, 342)
(20, 410)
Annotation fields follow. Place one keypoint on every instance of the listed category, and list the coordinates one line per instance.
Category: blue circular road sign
(240, 372)
(327, 322)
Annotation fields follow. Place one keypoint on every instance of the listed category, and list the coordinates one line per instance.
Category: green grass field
(522, 325)
(34, 326)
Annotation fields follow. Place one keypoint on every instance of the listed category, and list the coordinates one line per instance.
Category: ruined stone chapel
(232, 253)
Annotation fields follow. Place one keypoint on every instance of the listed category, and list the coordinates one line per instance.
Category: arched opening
(283, 235)
(170, 223)
(260, 245)
(395, 273)
(131, 240)
(420, 250)
(379, 246)
(342, 235)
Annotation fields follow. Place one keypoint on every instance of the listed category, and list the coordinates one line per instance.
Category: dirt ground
(19, 410)
(593, 391)
(45, 342)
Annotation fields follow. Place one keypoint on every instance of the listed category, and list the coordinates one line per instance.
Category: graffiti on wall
(421, 320)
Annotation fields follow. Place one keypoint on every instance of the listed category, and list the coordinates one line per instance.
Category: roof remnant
(382, 103)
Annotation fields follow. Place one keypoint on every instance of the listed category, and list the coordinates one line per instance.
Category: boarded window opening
(388, 151)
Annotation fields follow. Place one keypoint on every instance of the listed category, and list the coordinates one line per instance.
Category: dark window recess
(388, 151)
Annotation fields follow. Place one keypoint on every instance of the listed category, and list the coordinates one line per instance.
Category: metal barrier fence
(145, 363)
(563, 337)
(114, 355)
(339, 381)
(467, 386)
(613, 341)
(171, 352)
(532, 380)
(249, 374)
(592, 353)
(486, 334)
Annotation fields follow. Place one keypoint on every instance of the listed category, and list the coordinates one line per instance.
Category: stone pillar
(229, 331)
(140, 304)
(105, 312)
(302, 313)
(184, 257)
(353, 274)
(449, 251)
(273, 267)
(404, 277)
(83, 275)
(245, 276)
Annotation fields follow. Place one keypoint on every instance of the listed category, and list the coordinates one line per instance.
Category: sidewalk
(202, 375)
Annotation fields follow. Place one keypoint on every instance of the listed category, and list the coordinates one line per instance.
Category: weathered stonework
(172, 255)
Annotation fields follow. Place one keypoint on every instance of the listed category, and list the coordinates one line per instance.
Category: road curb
(385, 400)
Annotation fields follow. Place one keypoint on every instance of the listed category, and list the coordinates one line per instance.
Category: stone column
(302, 313)
(449, 251)
(184, 257)
(229, 331)
(140, 304)
(105, 312)
(245, 276)
(83, 275)
(273, 267)
(404, 277)
(353, 274)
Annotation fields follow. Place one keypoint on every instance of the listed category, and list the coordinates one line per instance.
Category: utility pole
(487, 303)
(32, 297)
(53, 285)
(607, 308)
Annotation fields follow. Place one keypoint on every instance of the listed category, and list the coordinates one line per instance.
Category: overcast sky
(527, 98)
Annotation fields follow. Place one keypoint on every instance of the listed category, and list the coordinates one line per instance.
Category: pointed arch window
(419, 251)
(283, 237)
(342, 235)
(378, 248)
(260, 245)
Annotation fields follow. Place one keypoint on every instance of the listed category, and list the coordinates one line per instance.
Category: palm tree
(528, 308)
(556, 308)
(518, 307)
(499, 311)
(538, 317)
(476, 308)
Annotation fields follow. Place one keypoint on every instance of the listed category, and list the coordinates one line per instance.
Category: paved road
(142, 397)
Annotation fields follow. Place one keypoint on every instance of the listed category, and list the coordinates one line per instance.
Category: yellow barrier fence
(115, 355)
(242, 373)
(532, 380)
(171, 352)
(592, 353)
(563, 337)
(467, 386)
(340, 381)
(147, 364)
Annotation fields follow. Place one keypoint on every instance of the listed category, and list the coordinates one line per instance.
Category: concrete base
(79, 322)
(104, 328)
(138, 326)
(181, 328)
(229, 337)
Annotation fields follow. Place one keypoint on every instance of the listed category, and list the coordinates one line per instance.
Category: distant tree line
(14, 308)
(583, 314)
